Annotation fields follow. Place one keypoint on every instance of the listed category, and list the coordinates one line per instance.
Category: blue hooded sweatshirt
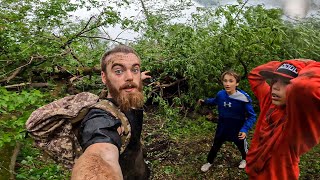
(236, 113)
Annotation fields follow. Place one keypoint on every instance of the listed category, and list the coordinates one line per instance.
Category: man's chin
(130, 90)
(130, 98)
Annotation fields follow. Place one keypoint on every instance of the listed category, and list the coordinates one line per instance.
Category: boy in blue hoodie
(236, 117)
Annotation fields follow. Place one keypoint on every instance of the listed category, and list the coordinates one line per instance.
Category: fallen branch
(171, 84)
(17, 86)
(16, 71)
(13, 160)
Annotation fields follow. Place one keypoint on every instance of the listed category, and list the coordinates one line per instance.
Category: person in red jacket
(289, 121)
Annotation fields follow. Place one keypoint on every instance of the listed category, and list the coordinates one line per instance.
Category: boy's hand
(144, 75)
(242, 135)
(200, 101)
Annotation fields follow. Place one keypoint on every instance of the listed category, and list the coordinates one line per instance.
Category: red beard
(125, 100)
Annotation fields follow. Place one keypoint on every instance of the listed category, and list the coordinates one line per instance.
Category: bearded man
(100, 131)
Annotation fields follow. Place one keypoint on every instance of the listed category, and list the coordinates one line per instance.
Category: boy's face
(229, 83)
(278, 91)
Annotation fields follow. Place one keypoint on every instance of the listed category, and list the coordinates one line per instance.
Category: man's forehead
(122, 57)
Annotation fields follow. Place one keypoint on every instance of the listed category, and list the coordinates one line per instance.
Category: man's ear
(103, 77)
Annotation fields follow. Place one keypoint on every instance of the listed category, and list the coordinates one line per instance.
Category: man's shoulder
(100, 115)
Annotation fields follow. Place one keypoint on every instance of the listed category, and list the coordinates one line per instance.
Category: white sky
(135, 11)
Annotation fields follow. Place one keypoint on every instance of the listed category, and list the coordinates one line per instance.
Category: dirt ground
(171, 157)
(182, 158)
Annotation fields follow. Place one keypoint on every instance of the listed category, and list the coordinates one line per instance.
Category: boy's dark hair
(118, 49)
(231, 73)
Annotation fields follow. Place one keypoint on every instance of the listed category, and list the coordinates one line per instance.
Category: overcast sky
(136, 12)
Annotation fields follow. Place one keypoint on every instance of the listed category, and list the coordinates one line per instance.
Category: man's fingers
(120, 130)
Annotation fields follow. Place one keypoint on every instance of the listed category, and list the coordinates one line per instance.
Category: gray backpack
(54, 127)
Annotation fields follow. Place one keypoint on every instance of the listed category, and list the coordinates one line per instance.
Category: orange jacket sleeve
(261, 90)
(259, 86)
(303, 107)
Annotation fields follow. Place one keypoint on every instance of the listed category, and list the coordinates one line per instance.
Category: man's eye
(118, 71)
(136, 70)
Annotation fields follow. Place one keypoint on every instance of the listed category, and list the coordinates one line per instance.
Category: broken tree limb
(16, 71)
(13, 160)
(36, 85)
(171, 84)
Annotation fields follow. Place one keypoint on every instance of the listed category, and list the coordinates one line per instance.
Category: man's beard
(126, 100)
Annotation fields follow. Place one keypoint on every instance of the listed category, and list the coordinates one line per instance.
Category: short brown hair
(231, 73)
(118, 49)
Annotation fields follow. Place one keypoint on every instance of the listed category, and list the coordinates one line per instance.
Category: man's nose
(129, 76)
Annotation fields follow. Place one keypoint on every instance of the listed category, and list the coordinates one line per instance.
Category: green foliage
(214, 40)
(15, 109)
(39, 41)
(34, 166)
(310, 165)
(43, 37)
(184, 128)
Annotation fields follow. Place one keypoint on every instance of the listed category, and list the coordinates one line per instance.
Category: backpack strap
(108, 106)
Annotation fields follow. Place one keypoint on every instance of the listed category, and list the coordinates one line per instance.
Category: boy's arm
(251, 119)
(99, 161)
(213, 101)
(259, 86)
(303, 107)
(210, 101)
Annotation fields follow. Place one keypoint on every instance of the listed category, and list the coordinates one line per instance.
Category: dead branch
(13, 160)
(99, 37)
(36, 85)
(171, 84)
(78, 34)
(16, 71)
(88, 70)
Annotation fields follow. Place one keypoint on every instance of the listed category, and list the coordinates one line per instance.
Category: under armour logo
(227, 105)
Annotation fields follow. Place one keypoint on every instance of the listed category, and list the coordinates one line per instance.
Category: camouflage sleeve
(99, 127)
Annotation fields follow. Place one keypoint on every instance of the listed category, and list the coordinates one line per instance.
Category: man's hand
(200, 101)
(242, 135)
(144, 75)
(98, 161)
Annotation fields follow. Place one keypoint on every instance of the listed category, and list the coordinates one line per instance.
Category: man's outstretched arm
(100, 161)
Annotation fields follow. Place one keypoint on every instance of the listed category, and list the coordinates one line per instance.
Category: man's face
(230, 83)
(123, 80)
(278, 91)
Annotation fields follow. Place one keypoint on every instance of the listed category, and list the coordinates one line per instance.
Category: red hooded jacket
(283, 134)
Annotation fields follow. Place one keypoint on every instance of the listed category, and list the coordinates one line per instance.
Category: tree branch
(13, 160)
(99, 37)
(17, 70)
(17, 86)
(146, 13)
